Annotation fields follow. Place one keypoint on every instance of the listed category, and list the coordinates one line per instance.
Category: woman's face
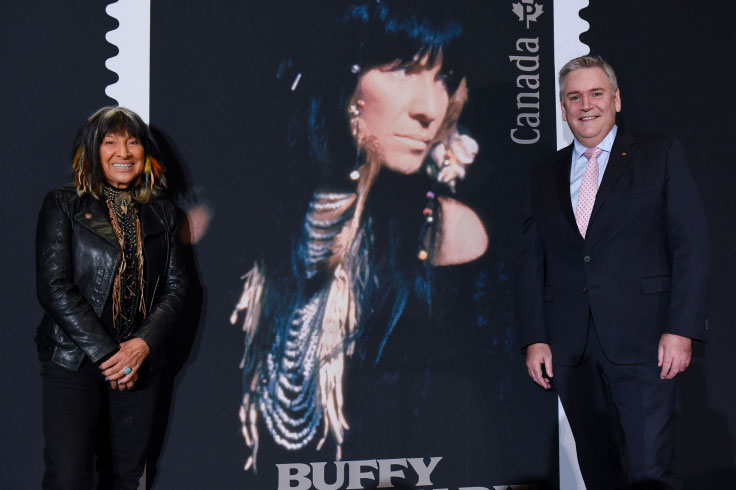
(404, 106)
(122, 157)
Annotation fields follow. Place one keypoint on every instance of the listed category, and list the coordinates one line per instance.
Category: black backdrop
(675, 61)
(211, 75)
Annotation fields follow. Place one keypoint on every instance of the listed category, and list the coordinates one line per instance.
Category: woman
(110, 279)
(342, 256)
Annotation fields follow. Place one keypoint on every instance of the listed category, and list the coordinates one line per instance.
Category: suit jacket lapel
(562, 178)
(618, 160)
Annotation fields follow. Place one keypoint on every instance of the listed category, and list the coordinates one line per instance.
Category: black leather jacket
(77, 254)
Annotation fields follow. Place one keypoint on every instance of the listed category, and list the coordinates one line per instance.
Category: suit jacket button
(586, 258)
(585, 290)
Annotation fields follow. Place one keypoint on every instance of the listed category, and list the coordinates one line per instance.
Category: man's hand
(537, 355)
(674, 354)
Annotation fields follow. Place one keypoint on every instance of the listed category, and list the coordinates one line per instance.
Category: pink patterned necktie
(588, 189)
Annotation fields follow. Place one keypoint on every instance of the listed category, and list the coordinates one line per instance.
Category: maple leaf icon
(527, 10)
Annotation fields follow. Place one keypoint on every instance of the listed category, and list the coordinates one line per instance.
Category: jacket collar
(93, 215)
(151, 221)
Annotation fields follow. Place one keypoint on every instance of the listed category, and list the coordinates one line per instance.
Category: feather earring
(153, 171)
(80, 165)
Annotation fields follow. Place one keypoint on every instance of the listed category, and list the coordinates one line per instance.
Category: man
(612, 283)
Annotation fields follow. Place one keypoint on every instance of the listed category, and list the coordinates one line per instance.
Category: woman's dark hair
(319, 152)
(87, 166)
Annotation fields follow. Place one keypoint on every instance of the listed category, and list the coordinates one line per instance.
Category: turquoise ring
(127, 370)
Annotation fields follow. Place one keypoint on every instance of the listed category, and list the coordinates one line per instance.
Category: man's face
(589, 105)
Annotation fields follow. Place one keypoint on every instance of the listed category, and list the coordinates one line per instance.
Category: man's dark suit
(640, 272)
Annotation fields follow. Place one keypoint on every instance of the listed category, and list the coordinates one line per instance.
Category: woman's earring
(81, 169)
(354, 111)
(426, 237)
(152, 171)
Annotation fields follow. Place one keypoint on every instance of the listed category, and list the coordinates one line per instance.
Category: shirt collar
(605, 145)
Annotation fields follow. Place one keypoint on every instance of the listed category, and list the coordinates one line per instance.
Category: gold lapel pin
(623, 154)
(88, 215)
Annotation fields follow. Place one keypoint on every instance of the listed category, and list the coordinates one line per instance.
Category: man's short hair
(587, 62)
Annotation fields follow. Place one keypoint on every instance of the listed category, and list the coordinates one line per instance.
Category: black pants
(83, 418)
(623, 420)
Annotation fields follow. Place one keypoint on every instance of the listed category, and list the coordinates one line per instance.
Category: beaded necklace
(290, 402)
(128, 284)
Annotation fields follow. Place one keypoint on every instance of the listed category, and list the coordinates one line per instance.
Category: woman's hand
(124, 386)
(122, 368)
